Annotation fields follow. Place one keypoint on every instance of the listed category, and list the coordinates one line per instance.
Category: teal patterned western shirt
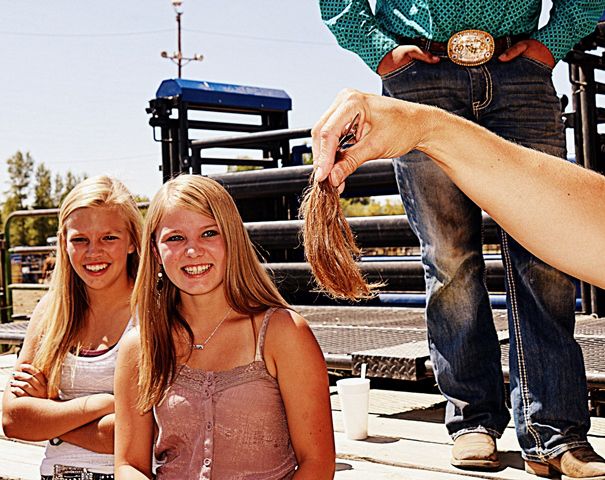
(372, 34)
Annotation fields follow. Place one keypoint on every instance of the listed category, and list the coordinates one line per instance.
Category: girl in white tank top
(84, 375)
(62, 386)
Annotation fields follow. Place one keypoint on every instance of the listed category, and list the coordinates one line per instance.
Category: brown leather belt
(500, 45)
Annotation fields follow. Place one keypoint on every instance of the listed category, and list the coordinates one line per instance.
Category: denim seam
(488, 92)
(479, 429)
(397, 71)
(555, 452)
(475, 110)
(519, 343)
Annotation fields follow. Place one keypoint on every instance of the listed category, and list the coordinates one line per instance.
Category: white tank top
(81, 376)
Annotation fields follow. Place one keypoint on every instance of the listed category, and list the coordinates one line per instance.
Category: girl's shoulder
(284, 318)
(131, 341)
(288, 340)
(287, 330)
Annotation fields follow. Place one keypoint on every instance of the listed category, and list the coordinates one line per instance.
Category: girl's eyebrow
(169, 229)
(178, 230)
(165, 232)
(109, 230)
(102, 234)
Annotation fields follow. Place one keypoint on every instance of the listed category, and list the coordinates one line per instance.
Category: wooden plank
(20, 460)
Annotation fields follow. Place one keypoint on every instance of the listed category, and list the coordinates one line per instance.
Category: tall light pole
(177, 57)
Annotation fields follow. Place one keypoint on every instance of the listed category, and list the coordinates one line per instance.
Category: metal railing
(584, 120)
(7, 285)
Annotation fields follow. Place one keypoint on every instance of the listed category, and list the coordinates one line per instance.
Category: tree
(19, 172)
(43, 227)
(242, 167)
(65, 185)
(58, 190)
(71, 180)
(369, 206)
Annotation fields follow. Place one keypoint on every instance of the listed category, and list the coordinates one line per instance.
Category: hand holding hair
(329, 243)
(509, 182)
(388, 128)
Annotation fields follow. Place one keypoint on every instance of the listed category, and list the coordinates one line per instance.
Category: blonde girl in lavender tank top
(221, 380)
(62, 387)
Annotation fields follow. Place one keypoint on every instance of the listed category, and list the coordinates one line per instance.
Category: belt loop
(509, 42)
(427, 45)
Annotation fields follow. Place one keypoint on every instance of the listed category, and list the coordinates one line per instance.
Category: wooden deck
(408, 441)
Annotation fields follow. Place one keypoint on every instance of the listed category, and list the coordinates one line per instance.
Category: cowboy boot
(475, 451)
(580, 462)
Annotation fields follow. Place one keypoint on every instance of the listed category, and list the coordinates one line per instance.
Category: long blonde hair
(67, 300)
(248, 288)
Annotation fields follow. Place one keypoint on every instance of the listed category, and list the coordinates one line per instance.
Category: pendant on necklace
(200, 346)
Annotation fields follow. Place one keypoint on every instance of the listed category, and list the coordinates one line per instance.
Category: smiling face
(192, 251)
(98, 244)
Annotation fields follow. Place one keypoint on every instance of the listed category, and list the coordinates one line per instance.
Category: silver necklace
(201, 346)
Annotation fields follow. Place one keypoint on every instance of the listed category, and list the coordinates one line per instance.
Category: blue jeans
(517, 101)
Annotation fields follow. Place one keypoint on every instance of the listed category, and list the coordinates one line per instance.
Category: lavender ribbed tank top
(225, 425)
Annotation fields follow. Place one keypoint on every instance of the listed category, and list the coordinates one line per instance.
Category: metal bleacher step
(13, 333)
(392, 340)
(590, 335)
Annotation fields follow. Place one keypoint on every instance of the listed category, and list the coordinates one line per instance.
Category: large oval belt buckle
(471, 48)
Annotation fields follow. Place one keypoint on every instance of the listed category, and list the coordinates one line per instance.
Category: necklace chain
(201, 346)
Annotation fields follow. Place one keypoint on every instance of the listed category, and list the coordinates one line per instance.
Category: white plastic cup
(354, 394)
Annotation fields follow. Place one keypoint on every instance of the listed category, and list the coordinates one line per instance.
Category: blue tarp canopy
(225, 95)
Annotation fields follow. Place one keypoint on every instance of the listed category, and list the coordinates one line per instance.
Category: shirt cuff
(558, 49)
(378, 45)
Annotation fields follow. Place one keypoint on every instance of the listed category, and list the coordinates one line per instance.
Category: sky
(77, 76)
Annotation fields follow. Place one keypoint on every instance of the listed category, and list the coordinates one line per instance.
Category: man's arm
(550, 206)
(570, 21)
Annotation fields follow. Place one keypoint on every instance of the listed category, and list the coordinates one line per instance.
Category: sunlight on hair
(330, 245)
